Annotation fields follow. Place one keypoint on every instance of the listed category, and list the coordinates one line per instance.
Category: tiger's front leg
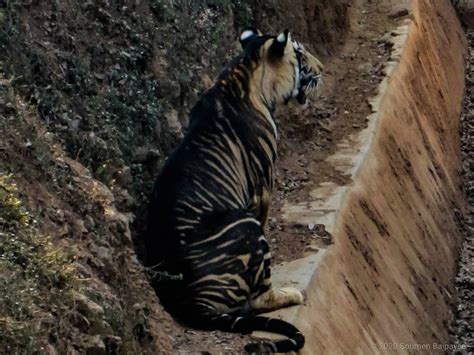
(263, 205)
(270, 298)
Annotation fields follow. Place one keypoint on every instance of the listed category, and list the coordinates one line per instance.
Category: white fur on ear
(246, 34)
(281, 37)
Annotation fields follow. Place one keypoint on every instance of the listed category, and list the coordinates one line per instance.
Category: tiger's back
(218, 176)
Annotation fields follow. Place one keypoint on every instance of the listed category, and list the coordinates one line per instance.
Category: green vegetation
(37, 278)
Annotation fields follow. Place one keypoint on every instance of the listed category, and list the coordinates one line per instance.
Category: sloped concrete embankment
(388, 281)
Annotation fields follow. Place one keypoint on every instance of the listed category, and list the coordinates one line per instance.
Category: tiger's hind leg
(270, 298)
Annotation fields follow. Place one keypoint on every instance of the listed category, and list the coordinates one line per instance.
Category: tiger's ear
(277, 49)
(247, 35)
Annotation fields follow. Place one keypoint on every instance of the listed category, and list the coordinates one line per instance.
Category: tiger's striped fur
(211, 200)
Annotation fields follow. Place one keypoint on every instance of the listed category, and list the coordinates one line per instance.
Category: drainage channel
(388, 280)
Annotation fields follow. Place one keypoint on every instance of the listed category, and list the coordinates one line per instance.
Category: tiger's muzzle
(310, 75)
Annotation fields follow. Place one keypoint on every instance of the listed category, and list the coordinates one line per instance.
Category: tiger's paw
(291, 296)
(278, 298)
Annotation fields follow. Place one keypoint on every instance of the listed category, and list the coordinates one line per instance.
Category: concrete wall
(389, 277)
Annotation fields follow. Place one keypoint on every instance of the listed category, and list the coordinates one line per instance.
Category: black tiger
(211, 199)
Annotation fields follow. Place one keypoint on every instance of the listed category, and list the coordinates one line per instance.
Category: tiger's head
(274, 69)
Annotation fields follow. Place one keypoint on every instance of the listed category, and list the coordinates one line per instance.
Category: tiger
(205, 242)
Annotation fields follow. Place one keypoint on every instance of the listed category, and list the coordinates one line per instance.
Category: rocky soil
(310, 135)
(462, 328)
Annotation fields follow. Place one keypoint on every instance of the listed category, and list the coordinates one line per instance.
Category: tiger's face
(281, 67)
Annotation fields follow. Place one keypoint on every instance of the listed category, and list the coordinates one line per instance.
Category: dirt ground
(311, 134)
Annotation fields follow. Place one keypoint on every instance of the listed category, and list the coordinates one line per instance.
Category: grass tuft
(37, 279)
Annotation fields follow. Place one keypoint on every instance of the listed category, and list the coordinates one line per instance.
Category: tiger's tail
(295, 339)
(246, 324)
